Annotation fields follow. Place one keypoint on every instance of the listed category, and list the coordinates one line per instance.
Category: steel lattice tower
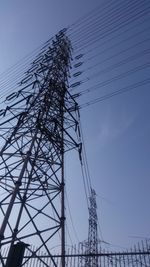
(37, 127)
(92, 242)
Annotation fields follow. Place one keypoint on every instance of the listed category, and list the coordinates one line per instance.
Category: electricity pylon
(37, 127)
(91, 244)
(93, 234)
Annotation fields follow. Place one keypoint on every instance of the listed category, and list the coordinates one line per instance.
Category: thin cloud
(114, 125)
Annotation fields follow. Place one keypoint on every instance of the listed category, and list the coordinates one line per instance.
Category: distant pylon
(37, 127)
(91, 245)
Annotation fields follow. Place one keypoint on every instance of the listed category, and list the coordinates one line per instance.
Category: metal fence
(76, 256)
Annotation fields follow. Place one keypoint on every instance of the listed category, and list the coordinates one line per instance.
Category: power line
(102, 16)
(107, 33)
(127, 49)
(121, 34)
(115, 93)
(71, 218)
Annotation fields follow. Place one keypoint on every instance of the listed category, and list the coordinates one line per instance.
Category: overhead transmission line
(99, 31)
(84, 23)
(102, 27)
(108, 32)
(101, 22)
(117, 77)
(98, 14)
(112, 67)
(117, 37)
(24, 61)
(7, 85)
(71, 217)
(117, 54)
(35, 51)
(115, 93)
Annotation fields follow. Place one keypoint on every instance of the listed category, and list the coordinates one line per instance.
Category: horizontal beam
(90, 255)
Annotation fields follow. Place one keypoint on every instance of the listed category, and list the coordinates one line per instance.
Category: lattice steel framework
(37, 127)
(91, 245)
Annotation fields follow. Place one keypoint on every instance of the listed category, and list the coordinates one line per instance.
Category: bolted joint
(28, 153)
(18, 183)
(62, 186)
(15, 232)
(63, 218)
(1, 237)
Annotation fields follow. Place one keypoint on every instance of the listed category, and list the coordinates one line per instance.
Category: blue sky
(116, 131)
(24, 25)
